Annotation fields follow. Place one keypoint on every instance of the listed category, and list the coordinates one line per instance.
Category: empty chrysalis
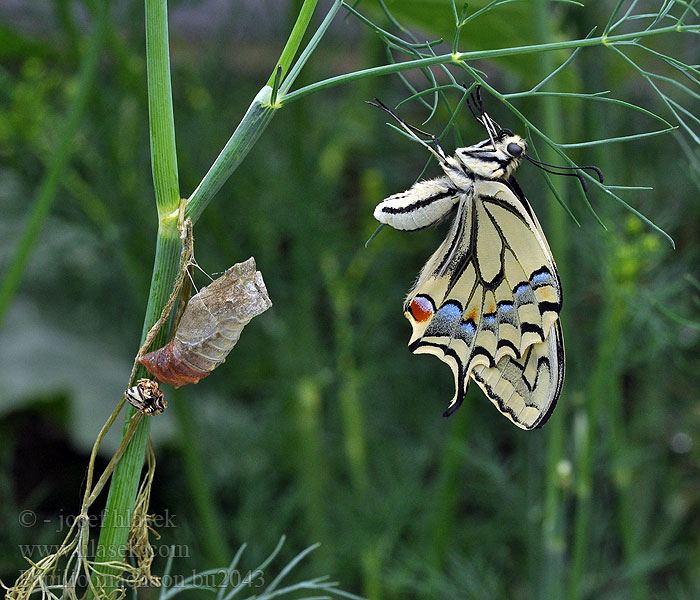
(210, 326)
(147, 397)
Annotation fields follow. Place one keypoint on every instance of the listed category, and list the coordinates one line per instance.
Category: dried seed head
(146, 397)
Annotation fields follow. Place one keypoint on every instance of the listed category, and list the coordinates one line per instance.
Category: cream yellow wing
(489, 297)
(526, 390)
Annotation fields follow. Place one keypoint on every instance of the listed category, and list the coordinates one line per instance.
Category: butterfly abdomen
(423, 205)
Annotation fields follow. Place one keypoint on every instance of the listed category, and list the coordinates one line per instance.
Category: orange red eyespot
(421, 309)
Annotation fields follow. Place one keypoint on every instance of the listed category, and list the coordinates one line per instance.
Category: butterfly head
(495, 158)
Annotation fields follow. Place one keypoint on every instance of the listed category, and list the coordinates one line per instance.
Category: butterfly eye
(514, 149)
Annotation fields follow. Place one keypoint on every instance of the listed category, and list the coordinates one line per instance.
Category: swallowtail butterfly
(488, 300)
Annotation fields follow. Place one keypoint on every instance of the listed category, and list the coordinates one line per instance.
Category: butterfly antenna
(471, 103)
(476, 106)
(475, 103)
(596, 170)
(573, 170)
(479, 100)
(413, 131)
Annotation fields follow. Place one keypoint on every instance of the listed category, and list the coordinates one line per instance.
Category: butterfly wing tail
(526, 390)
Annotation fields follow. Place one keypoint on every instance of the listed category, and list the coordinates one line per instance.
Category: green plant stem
(211, 532)
(460, 57)
(254, 122)
(551, 569)
(312, 463)
(294, 40)
(160, 109)
(611, 328)
(125, 481)
(339, 286)
(630, 505)
(60, 156)
(251, 127)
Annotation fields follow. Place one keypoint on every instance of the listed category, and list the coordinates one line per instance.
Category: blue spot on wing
(466, 332)
(445, 321)
(541, 277)
(469, 327)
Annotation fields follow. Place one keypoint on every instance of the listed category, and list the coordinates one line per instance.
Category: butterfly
(488, 300)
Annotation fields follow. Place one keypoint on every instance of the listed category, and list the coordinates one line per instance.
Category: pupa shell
(210, 326)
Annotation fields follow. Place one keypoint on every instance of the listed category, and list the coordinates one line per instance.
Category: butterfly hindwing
(526, 390)
(487, 300)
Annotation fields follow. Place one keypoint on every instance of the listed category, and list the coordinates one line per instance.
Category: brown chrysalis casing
(146, 397)
(210, 326)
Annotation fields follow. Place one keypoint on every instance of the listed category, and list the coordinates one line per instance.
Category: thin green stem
(611, 330)
(313, 467)
(340, 285)
(311, 46)
(250, 128)
(551, 569)
(104, 477)
(477, 55)
(294, 40)
(60, 156)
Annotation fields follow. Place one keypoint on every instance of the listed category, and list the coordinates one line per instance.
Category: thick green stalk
(552, 534)
(125, 481)
(160, 108)
(211, 532)
(43, 201)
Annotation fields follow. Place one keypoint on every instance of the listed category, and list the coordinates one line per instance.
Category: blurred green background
(321, 425)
